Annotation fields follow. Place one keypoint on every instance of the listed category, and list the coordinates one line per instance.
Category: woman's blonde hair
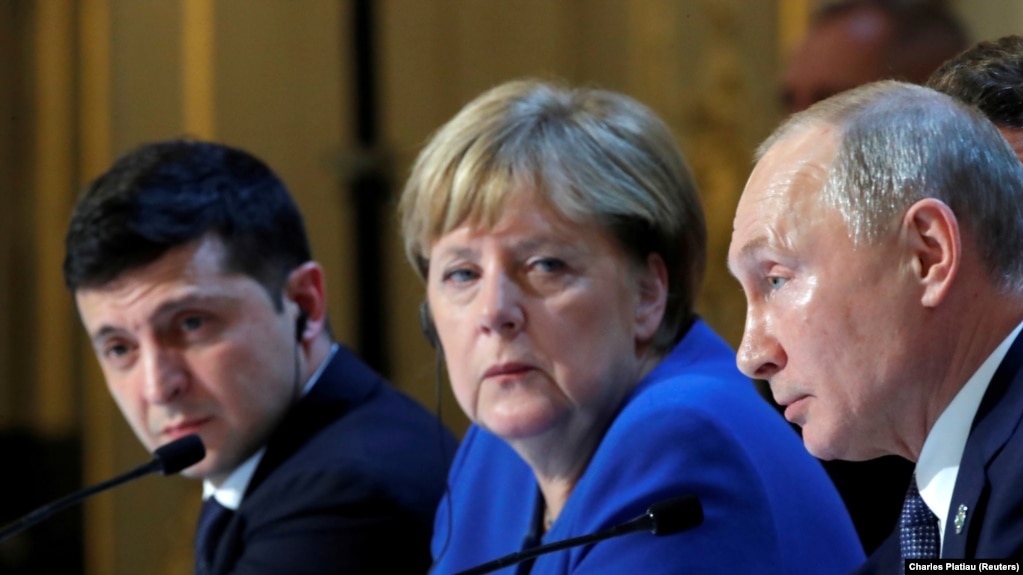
(596, 156)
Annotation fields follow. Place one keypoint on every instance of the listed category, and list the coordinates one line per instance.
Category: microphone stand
(45, 511)
(170, 458)
(663, 518)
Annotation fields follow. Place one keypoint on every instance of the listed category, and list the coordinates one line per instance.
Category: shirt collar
(231, 491)
(938, 465)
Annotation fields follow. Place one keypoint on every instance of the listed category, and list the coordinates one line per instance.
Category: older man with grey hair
(877, 242)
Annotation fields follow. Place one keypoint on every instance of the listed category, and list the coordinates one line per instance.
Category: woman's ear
(651, 296)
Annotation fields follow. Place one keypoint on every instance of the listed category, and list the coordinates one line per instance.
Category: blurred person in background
(852, 42)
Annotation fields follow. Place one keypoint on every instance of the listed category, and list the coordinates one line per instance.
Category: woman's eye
(459, 275)
(776, 282)
(548, 265)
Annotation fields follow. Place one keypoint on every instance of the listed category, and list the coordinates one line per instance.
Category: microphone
(167, 459)
(663, 518)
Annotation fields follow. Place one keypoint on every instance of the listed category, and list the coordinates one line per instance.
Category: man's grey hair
(899, 143)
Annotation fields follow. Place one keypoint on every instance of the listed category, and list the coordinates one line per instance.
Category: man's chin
(204, 470)
(194, 472)
(822, 445)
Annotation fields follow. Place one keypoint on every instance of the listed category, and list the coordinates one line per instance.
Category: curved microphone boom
(662, 518)
(167, 459)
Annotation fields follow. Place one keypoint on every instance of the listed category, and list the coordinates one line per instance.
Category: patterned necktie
(918, 527)
(212, 520)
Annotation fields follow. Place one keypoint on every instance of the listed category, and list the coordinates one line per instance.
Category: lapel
(997, 416)
(345, 383)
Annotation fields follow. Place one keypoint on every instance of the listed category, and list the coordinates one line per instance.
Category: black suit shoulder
(349, 483)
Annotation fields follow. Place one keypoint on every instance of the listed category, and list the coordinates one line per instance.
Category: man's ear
(651, 297)
(306, 289)
(932, 232)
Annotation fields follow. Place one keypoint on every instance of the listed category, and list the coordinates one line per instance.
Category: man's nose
(166, 376)
(760, 354)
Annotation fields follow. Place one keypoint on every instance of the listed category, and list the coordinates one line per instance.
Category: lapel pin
(960, 520)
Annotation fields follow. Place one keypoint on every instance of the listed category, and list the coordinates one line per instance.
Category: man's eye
(192, 323)
(115, 350)
(776, 282)
(118, 355)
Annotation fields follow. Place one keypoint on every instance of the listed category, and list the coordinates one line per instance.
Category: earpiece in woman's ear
(426, 324)
(300, 322)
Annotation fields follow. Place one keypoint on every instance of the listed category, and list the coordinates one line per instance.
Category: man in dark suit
(192, 273)
(878, 244)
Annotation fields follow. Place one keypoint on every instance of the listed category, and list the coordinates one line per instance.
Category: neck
(971, 335)
(312, 356)
(559, 457)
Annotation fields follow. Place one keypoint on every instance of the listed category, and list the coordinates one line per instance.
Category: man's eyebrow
(168, 307)
(747, 250)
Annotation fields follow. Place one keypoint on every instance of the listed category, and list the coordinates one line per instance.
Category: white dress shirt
(938, 465)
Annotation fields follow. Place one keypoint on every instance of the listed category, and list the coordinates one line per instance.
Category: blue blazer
(349, 483)
(695, 426)
(989, 486)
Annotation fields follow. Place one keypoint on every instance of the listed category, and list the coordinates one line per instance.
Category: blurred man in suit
(192, 274)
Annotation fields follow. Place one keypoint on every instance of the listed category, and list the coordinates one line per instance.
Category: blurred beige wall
(84, 81)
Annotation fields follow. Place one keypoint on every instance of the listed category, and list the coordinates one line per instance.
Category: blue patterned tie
(918, 527)
(212, 520)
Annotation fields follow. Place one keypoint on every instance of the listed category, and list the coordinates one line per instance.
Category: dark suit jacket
(348, 484)
(990, 481)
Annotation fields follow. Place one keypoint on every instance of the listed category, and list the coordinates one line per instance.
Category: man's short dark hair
(167, 194)
(988, 76)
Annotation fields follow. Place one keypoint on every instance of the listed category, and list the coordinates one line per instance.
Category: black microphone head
(675, 515)
(181, 453)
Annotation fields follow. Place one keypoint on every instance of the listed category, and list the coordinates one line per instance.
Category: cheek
(598, 351)
(823, 325)
(127, 397)
(460, 356)
(464, 387)
(134, 408)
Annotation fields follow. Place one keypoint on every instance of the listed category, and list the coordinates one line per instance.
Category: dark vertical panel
(7, 130)
(47, 469)
(370, 193)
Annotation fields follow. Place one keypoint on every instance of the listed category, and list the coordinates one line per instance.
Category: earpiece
(426, 324)
(300, 322)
